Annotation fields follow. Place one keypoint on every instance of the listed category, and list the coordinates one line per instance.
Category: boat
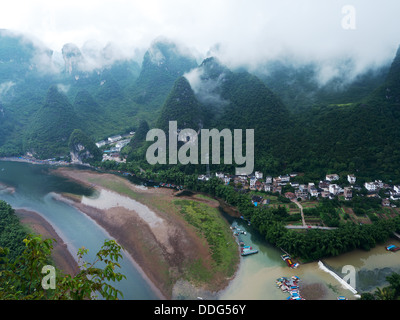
(392, 248)
(341, 298)
(249, 252)
(289, 261)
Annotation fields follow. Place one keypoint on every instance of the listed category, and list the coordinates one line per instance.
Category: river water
(256, 277)
(35, 190)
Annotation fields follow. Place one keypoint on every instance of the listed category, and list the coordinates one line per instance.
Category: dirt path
(301, 212)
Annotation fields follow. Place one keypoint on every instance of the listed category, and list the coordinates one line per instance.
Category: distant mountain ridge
(40, 107)
(162, 64)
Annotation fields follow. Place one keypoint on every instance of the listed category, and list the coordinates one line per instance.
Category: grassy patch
(210, 224)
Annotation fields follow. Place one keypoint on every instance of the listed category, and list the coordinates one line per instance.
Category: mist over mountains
(306, 116)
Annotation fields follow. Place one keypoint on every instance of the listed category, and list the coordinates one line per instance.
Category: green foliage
(299, 88)
(390, 292)
(353, 130)
(22, 279)
(12, 232)
(51, 126)
(182, 106)
(162, 65)
(84, 147)
(140, 135)
(207, 221)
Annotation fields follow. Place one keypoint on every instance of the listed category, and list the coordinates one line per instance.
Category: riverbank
(61, 256)
(151, 228)
(52, 162)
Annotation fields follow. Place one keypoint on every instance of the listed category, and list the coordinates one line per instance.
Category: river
(35, 188)
(256, 277)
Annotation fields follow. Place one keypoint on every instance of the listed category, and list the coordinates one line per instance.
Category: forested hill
(51, 126)
(300, 88)
(389, 91)
(181, 106)
(362, 137)
(162, 65)
(240, 100)
(45, 96)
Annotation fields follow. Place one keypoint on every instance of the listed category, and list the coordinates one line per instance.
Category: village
(326, 188)
(113, 145)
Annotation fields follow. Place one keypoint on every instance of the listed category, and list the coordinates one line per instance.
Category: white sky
(247, 30)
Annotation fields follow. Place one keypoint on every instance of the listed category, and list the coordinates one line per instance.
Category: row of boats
(245, 250)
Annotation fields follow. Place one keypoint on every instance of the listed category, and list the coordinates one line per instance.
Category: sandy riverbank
(61, 255)
(146, 223)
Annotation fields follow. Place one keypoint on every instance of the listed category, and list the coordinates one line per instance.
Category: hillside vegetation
(354, 132)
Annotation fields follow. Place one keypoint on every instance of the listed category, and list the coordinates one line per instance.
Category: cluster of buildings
(327, 188)
(391, 192)
(115, 144)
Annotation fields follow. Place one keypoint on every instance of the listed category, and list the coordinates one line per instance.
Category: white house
(294, 184)
(253, 181)
(122, 144)
(370, 186)
(334, 189)
(396, 189)
(351, 178)
(303, 188)
(268, 179)
(332, 177)
(313, 191)
(219, 175)
(379, 183)
(395, 197)
(114, 139)
(100, 144)
(285, 178)
(258, 174)
(267, 187)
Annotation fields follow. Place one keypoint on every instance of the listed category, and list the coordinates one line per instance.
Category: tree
(22, 279)
(386, 293)
(394, 281)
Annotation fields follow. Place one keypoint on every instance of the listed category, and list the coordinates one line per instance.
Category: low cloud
(247, 34)
(62, 88)
(206, 89)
